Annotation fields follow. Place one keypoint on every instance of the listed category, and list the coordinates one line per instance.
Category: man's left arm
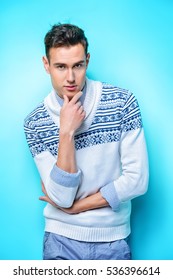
(133, 181)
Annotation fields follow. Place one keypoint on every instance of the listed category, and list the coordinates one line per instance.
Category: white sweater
(111, 157)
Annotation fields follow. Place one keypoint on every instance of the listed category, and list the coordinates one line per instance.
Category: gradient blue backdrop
(131, 45)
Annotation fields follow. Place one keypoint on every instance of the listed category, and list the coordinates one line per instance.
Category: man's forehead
(65, 52)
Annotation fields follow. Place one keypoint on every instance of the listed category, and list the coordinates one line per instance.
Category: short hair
(64, 35)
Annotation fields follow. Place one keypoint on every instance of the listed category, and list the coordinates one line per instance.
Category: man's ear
(87, 59)
(46, 64)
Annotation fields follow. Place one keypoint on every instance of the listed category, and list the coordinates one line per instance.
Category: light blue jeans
(57, 247)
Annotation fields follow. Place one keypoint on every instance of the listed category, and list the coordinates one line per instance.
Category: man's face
(67, 68)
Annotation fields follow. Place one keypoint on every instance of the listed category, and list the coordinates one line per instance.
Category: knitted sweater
(111, 158)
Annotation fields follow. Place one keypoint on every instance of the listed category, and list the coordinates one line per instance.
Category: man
(88, 143)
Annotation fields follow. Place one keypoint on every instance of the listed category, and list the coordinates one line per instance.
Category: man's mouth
(71, 88)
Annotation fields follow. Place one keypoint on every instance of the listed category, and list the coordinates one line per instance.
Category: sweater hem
(88, 234)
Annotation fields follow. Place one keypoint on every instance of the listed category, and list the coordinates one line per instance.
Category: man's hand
(72, 115)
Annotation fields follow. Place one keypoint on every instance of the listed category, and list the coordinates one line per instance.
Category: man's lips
(71, 88)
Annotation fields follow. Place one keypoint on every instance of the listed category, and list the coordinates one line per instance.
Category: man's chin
(70, 95)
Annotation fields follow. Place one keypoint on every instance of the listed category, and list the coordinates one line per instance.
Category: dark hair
(64, 35)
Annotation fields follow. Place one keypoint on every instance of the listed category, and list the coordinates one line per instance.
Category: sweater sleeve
(133, 180)
(60, 186)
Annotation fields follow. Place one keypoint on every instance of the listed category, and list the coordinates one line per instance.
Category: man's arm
(65, 176)
(60, 176)
(88, 203)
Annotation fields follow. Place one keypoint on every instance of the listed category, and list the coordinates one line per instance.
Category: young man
(88, 143)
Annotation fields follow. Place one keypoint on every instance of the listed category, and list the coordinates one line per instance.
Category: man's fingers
(78, 104)
(76, 97)
(81, 109)
(43, 198)
(74, 100)
(48, 200)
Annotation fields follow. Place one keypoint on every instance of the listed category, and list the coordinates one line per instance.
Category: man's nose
(70, 76)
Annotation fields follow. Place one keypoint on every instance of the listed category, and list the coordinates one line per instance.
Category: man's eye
(78, 65)
(61, 67)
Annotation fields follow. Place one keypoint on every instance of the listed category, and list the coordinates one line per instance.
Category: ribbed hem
(88, 234)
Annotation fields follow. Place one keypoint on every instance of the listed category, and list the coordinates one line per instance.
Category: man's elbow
(62, 202)
(66, 204)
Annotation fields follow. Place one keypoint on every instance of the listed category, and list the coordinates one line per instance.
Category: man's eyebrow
(79, 62)
(59, 64)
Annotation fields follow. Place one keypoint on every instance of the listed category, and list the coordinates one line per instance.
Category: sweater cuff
(109, 193)
(64, 178)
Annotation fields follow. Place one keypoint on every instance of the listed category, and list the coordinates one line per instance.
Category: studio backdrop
(131, 46)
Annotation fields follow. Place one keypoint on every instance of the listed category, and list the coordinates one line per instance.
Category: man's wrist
(66, 135)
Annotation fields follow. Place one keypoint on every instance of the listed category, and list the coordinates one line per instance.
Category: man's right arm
(60, 176)
(65, 171)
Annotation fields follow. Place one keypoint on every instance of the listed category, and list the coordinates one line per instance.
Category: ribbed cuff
(109, 193)
(64, 178)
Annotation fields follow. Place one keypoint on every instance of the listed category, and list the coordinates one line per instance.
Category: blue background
(131, 46)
